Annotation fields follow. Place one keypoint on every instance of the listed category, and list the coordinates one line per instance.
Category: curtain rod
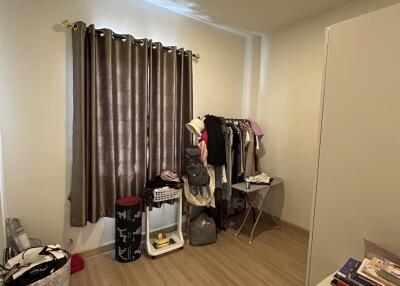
(69, 24)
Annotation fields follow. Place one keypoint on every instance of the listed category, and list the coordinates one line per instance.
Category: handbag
(198, 196)
(35, 264)
(202, 230)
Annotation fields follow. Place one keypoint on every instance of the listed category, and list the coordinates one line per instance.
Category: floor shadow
(265, 224)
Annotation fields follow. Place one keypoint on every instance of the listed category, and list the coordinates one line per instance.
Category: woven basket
(165, 194)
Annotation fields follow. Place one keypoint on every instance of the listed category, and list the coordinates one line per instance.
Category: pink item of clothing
(203, 152)
(256, 128)
(167, 175)
(204, 136)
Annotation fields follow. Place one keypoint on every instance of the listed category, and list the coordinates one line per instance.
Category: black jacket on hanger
(216, 141)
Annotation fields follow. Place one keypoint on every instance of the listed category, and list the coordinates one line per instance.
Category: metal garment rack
(230, 120)
(237, 211)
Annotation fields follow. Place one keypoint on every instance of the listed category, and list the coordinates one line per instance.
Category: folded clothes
(167, 179)
(158, 182)
(170, 176)
(262, 179)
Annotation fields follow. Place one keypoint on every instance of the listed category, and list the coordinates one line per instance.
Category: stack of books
(369, 272)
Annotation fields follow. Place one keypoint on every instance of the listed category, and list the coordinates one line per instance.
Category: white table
(261, 191)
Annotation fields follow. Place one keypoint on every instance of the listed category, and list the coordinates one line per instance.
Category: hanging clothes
(229, 151)
(204, 136)
(256, 128)
(216, 141)
(236, 151)
(249, 151)
(217, 212)
(203, 152)
(245, 143)
(227, 186)
(220, 176)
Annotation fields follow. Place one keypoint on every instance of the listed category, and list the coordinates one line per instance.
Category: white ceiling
(257, 16)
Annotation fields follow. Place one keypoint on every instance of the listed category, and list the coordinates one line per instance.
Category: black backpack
(196, 172)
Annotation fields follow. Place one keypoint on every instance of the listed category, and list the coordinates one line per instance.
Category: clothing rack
(236, 119)
(241, 159)
(228, 119)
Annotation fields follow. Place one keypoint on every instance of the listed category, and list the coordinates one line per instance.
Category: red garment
(203, 151)
(204, 136)
(77, 263)
(129, 201)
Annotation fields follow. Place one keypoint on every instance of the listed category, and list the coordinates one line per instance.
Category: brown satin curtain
(114, 114)
(170, 107)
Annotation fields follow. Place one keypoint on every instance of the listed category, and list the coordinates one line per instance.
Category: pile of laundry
(165, 181)
(262, 179)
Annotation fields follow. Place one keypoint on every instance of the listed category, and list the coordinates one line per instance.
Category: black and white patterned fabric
(128, 229)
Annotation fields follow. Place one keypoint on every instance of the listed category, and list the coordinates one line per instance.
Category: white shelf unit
(176, 236)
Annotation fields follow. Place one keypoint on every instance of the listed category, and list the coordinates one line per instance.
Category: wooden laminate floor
(276, 257)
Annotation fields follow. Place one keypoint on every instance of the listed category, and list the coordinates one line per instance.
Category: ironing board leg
(245, 217)
(258, 217)
(188, 216)
(264, 198)
(254, 225)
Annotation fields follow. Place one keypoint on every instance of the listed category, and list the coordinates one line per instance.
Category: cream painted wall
(36, 92)
(288, 106)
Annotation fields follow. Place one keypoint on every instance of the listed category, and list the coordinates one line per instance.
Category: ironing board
(258, 191)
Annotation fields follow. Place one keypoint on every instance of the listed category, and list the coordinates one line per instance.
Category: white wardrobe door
(358, 189)
(2, 204)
